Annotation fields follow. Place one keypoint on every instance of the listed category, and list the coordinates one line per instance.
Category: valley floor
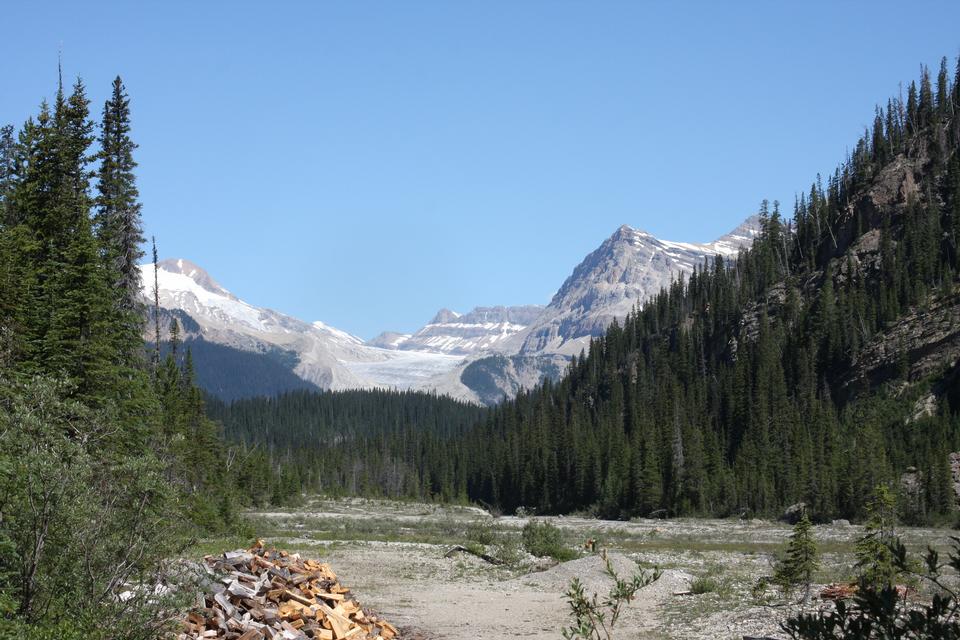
(392, 555)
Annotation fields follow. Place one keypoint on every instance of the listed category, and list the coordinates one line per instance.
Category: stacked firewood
(845, 591)
(839, 591)
(264, 594)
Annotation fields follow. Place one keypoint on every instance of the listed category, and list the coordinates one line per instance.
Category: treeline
(378, 442)
(733, 391)
(108, 463)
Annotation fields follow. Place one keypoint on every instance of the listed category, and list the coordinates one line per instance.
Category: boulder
(793, 513)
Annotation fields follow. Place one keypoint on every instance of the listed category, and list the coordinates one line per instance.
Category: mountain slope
(625, 271)
(231, 374)
(450, 354)
(321, 355)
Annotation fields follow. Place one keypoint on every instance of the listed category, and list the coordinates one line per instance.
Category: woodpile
(845, 591)
(838, 591)
(265, 594)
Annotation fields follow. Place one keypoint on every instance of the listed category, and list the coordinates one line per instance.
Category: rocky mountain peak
(628, 268)
(445, 316)
(189, 269)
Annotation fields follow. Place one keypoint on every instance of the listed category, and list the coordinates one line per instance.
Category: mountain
(318, 353)
(626, 270)
(482, 356)
(484, 329)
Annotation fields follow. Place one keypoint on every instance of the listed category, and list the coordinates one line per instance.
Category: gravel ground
(393, 557)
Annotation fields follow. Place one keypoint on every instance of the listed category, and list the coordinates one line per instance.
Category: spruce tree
(912, 109)
(155, 357)
(117, 219)
(78, 340)
(8, 149)
(800, 560)
(944, 104)
(925, 107)
(874, 554)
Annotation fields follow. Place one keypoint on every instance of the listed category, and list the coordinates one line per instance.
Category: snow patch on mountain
(484, 329)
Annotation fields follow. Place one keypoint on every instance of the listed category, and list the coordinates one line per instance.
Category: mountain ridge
(484, 355)
(626, 270)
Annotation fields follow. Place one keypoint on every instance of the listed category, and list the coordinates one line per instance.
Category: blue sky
(366, 163)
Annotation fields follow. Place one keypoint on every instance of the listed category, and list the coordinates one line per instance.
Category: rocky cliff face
(626, 270)
(924, 342)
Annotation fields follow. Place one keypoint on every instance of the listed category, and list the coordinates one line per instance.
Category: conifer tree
(874, 555)
(73, 305)
(155, 359)
(800, 561)
(944, 103)
(7, 174)
(912, 109)
(925, 108)
(117, 220)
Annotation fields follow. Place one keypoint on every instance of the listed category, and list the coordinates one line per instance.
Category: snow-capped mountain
(627, 269)
(481, 356)
(485, 329)
(324, 355)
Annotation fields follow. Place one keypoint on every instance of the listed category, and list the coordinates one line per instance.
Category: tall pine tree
(117, 220)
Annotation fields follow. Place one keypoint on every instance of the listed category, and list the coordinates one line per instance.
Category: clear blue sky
(366, 163)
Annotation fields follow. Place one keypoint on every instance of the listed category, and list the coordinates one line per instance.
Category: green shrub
(879, 611)
(78, 526)
(704, 584)
(481, 532)
(509, 550)
(545, 540)
(60, 631)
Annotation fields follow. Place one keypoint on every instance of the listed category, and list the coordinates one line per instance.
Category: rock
(794, 512)
(841, 523)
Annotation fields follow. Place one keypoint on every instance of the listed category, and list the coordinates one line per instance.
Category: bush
(545, 540)
(481, 532)
(704, 584)
(508, 550)
(59, 631)
(79, 526)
